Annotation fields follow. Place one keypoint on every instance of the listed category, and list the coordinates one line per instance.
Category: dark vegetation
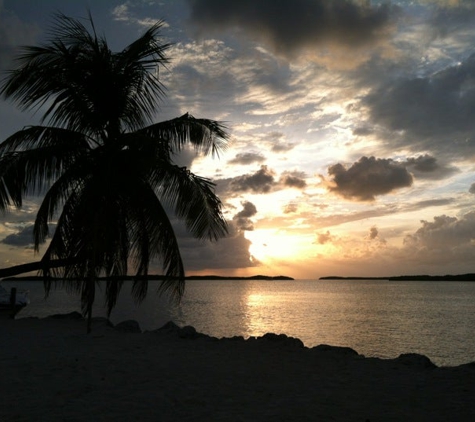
(104, 169)
(448, 277)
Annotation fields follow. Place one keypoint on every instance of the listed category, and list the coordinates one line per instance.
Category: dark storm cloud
(247, 158)
(293, 181)
(261, 181)
(423, 163)
(428, 167)
(472, 188)
(445, 20)
(367, 178)
(289, 26)
(242, 219)
(24, 237)
(433, 113)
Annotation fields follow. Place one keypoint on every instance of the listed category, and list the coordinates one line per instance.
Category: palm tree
(105, 171)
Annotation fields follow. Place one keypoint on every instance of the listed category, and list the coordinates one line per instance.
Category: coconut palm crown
(105, 171)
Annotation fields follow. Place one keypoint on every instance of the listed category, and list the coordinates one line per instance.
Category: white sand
(51, 370)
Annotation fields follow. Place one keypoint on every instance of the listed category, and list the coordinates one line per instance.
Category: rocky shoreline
(52, 370)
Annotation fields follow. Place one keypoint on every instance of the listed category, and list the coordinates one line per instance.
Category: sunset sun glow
(351, 144)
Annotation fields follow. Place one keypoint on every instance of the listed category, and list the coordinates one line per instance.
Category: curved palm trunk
(34, 266)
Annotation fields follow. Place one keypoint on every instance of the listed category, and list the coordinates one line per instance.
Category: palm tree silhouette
(106, 171)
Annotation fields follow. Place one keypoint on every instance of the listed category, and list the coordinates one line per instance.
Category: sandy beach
(51, 370)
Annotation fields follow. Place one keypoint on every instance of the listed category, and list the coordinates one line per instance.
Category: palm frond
(206, 136)
(63, 189)
(139, 62)
(154, 237)
(33, 137)
(193, 199)
(31, 159)
(89, 88)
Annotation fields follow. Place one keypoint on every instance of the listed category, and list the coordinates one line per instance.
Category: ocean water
(376, 318)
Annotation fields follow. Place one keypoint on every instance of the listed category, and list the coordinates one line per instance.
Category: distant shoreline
(424, 277)
(161, 277)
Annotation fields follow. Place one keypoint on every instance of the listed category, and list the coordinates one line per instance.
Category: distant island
(253, 277)
(161, 277)
(336, 277)
(423, 277)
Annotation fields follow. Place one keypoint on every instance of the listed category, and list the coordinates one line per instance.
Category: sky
(352, 148)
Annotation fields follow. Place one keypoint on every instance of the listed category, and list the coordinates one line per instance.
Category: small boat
(13, 302)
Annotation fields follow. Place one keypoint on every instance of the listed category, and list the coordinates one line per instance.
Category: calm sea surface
(376, 318)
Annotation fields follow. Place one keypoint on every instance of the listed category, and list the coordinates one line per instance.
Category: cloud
(367, 178)
(198, 75)
(24, 237)
(278, 143)
(428, 113)
(261, 181)
(14, 33)
(472, 188)
(293, 180)
(363, 131)
(247, 158)
(464, 4)
(373, 236)
(289, 28)
(290, 208)
(444, 240)
(282, 147)
(376, 212)
(427, 167)
(122, 13)
(373, 233)
(231, 252)
(242, 219)
(323, 238)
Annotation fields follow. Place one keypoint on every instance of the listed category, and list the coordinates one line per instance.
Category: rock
(169, 327)
(234, 338)
(71, 315)
(415, 360)
(189, 332)
(129, 326)
(338, 350)
(281, 339)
